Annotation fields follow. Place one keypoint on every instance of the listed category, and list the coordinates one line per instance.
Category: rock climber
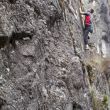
(88, 26)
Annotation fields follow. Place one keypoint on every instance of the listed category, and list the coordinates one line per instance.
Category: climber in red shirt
(88, 26)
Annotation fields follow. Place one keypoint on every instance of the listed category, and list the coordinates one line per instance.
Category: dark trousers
(86, 32)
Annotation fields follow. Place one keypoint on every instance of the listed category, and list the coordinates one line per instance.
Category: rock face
(51, 70)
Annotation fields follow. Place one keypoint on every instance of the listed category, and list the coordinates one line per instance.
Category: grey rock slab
(27, 50)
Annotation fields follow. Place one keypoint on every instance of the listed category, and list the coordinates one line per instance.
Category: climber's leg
(86, 32)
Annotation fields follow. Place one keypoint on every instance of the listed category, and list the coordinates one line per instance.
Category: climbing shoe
(87, 47)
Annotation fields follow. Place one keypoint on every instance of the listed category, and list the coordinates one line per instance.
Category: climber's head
(91, 11)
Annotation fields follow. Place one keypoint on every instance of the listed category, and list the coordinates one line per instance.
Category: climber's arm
(83, 13)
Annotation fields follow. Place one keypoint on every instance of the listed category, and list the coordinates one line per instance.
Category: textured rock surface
(51, 71)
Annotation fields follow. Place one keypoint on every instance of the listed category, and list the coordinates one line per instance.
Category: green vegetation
(99, 103)
(105, 101)
(90, 73)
